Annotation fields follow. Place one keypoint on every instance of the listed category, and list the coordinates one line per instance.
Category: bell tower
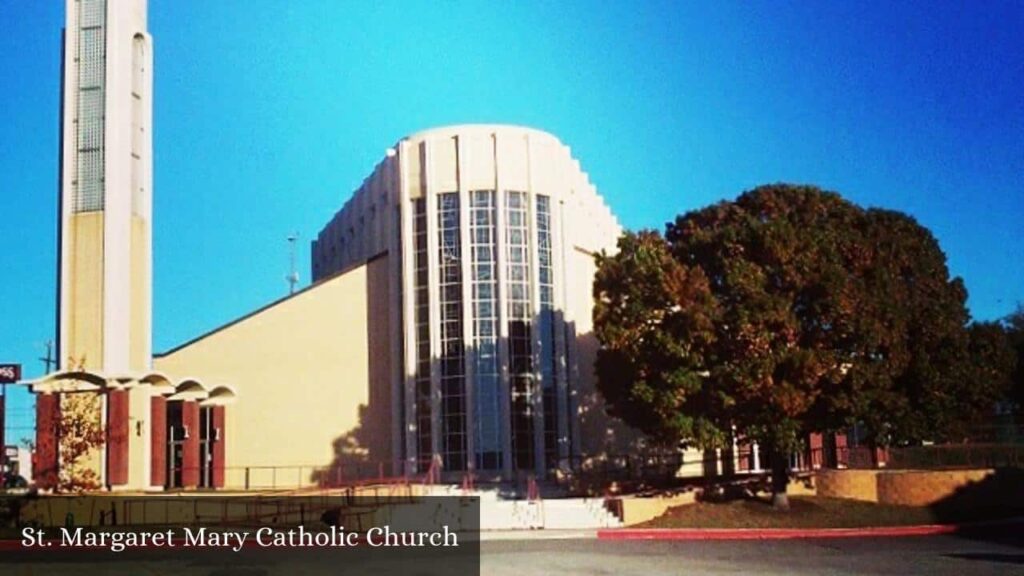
(106, 181)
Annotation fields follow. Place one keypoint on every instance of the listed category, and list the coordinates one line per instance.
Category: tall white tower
(106, 188)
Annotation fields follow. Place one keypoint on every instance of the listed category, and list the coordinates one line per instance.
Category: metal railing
(967, 455)
(291, 477)
(930, 457)
(606, 469)
(357, 511)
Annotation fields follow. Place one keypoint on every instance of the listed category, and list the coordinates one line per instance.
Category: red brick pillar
(816, 449)
(158, 441)
(842, 452)
(117, 437)
(45, 467)
(190, 449)
(218, 437)
(879, 456)
(3, 413)
(743, 453)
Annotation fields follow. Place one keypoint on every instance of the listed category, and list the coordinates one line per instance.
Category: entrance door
(206, 440)
(175, 445)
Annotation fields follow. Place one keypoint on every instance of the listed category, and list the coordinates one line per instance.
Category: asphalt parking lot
(930, 555)
(572, 554)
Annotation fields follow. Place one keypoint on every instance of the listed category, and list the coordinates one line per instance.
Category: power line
(49, 359)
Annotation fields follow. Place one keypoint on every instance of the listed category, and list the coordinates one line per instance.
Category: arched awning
(220, 396)
(190, 389)
(92, 381)
(122, 381)
(70, 381)
(159, 382)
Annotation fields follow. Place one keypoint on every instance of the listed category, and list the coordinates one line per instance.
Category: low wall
(188, 508)
(639, 509)
(927, 487)
(636, 510)
(974, 487)
(804, 486)
(850, 484)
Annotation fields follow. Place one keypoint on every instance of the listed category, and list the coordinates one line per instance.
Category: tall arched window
(139, 128)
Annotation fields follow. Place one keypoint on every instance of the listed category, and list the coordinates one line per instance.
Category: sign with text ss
(10, 373)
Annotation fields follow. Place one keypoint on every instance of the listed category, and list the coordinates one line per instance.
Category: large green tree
(655, 318)
(992, 362)
(1014, 324)
(787, 311)
(918, 380)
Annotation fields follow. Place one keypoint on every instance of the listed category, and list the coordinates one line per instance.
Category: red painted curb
(783, 533)
(53, 545)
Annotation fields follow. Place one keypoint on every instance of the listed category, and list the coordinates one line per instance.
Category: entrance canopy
(161, 384)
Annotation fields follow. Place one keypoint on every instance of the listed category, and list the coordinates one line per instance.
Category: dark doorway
(207, 433)
(176, 434)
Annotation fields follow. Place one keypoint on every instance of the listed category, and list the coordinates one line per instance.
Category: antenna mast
(293, 275)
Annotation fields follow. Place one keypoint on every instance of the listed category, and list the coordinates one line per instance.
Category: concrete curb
(792, 533)
(522, 535)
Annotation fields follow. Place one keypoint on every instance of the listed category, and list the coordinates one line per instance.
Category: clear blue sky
(268, 114)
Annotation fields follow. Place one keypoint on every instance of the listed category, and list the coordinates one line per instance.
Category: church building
(447, 330)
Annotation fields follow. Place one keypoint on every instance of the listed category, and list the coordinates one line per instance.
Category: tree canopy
(1014, 325)
(787, 311)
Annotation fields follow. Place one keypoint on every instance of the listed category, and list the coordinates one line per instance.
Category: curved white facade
(489, 233)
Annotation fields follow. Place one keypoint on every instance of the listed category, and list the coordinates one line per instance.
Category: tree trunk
(780, 480)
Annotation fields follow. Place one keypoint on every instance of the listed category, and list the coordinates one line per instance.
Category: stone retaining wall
(975, 487)
(926, 487)
(636, 510)
(851, 484)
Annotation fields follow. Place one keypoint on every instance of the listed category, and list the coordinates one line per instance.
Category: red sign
(10, 373)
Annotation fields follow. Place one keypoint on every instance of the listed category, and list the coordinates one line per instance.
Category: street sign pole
(3, 428)
(9, 374)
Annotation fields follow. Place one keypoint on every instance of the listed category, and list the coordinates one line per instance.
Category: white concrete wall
(486, 157)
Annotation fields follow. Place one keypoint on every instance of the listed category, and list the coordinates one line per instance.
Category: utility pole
(49, 360)
(293, 274)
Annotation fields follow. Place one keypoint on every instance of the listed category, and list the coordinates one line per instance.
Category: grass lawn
(809, 512)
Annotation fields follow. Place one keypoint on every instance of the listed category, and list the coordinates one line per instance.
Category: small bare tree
(80, 432)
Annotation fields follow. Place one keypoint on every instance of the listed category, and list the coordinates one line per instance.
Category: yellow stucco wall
(139, 398)
(301, 371)
(375, 432)
(85, 310)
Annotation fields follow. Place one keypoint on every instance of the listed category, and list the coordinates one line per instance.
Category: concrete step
(498, 511)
